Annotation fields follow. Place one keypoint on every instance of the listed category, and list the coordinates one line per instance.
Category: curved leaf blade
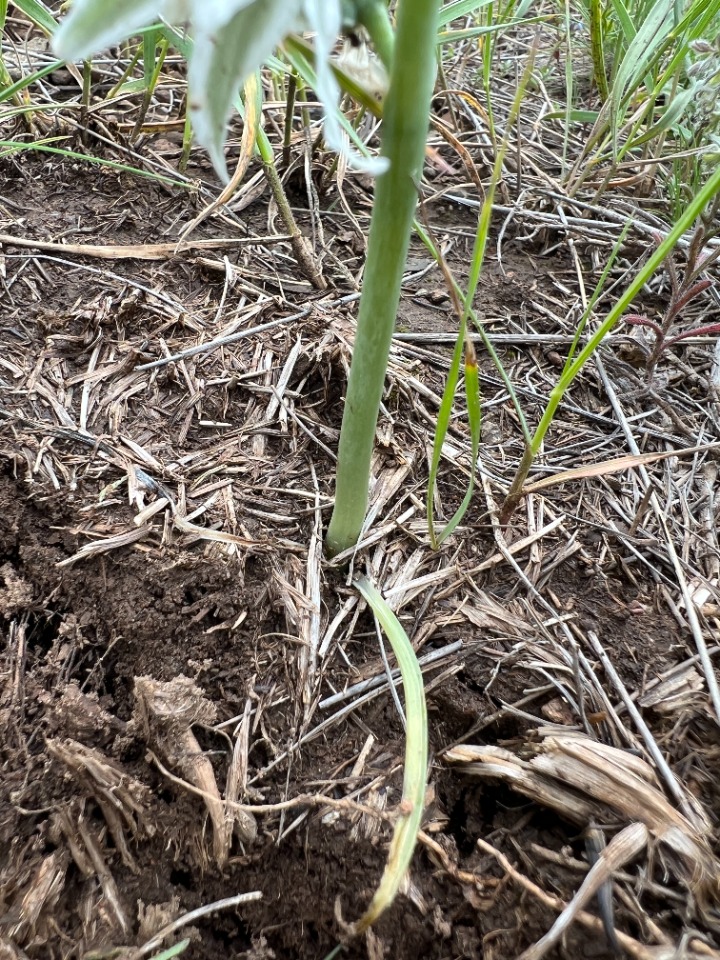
(407, 827)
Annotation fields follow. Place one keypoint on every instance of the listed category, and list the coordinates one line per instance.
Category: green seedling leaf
(9, 92)
(573, 116)
(472, 387)
(460, 8)
(96, 24)
(472, 398)
(624, 19)
(150, 40)
(669, 118)
(39, 14)
(694, 209)
(700, 16)
(8, 147)
(640, 55)
(176, 39)
(408, 824)
(173, 951)
(441, 429)
(455, 36)
(131, 86)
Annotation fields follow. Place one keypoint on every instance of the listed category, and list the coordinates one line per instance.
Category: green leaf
(640, 55)
(460, 8)
(441, 429)
(38, 13)
(173, 951)
(27, 81)
(669, 117)
(9, 147)
(574, 116)
(416, 758)
(96, 24)
(474, 409)
(150, 40)
(222, 60)
(623, 18)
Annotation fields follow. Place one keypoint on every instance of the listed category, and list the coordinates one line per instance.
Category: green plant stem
(152, 66)
(694, 209)
(300, 244)
(186, 141)
(85, 98)
(376, 20)
(289, 111)
(596, 49)
(405, 125)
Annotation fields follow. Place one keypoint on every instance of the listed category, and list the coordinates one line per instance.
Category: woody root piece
(166, 714)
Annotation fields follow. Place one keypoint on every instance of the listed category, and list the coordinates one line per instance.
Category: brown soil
(77, 874)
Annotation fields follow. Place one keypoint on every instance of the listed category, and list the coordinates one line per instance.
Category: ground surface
(161, 537)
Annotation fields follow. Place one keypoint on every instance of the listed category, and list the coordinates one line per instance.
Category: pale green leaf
(222, 60)
(39, 14)
(173, 951)
(94, 25)
(416, 758)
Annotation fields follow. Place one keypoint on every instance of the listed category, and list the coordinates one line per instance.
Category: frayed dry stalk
(166, 712)
(586, 781)
(621, 849)
(121, 798)
(37, 901)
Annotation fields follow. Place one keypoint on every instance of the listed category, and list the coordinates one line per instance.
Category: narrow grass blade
(40, 15)
(441, 429)
(150, 40)
(474, 409)
(471, 371)
(460, 8)
(173, 951)
(571, 116)
(694, 209)
(597, 293)
(8, 147)
(9, 92)
(638, 59)
(624, 19)
(407, 827)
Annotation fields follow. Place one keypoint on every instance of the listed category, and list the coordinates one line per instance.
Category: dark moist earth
(97, 627)
(76, 638)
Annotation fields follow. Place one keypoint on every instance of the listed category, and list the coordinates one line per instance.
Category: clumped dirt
(79, 638)
(102, 839)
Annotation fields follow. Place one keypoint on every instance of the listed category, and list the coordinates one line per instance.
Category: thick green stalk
(405, 125)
